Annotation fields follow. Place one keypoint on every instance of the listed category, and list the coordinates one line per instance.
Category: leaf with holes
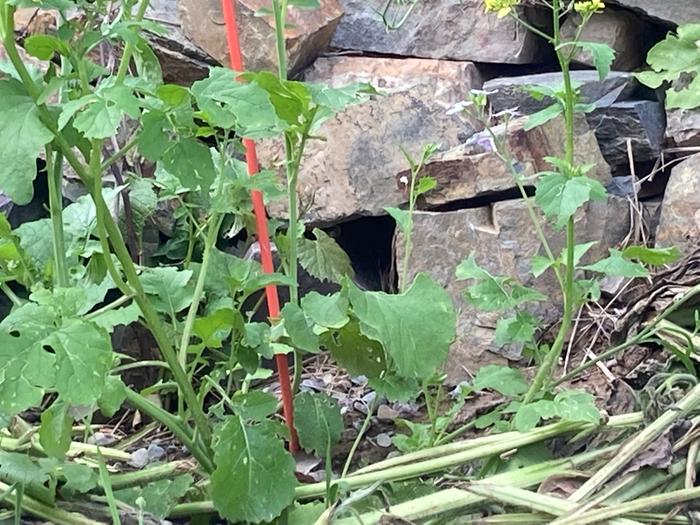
(254, 465)
(318, 422)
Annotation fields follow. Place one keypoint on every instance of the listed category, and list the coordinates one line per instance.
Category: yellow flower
(502, 7)
(589, 7)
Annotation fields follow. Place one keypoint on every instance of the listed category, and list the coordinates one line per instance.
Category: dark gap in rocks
(480, 201)
(368, 242)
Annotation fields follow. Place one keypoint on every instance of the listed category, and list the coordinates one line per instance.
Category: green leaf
(168, 289)
(617, 266)
(354, 352)
(528, 416)
(398, 322)
(577, 405)
(305, 513)
(603, 56)
(541, 264)
(424, 185)
(652, 256)
(543, 116)
(112, 397)
(401, 217)
(299, 328)
(257, 337)
(19, 468)
(518, 329)
(395, 388)
(25, 369)
(330, 311)
(253, 465)
(44, 47)
(323, 258)
(493, 293)
(255, 405)
(82, 351)
(118, 317)
(99, 120)
(503, 379)
(55, 430)
(190, 161)
(22, 136)
(215, 327)
(304, 4)
(559, 196)
(318, 422)
(158, 497)
(79, 478)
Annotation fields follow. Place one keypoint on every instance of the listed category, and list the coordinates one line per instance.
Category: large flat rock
(503, 241)
(679, 223)
(669, 11)
(475, 170)
(351, 173)
(442, 29)
(512, 92)
(308, 33)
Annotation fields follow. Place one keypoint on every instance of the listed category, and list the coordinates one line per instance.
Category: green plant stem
(54, 174)
(603, 515)
(360, 434)
(148, 475)
(184, 434)
(544, 373)
(12, 296)
(44, 511)
(109, 307)
(129, 47)
(122, 152)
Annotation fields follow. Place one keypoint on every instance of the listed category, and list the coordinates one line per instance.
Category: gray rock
(442, 29)
(625, 32)
(683, 127)
(474, 169)
(503, 242)
(674, 12)
(352, 172)
(679, 223)
(182, 61)
(308, 33)
(641, 121)
(511, 92)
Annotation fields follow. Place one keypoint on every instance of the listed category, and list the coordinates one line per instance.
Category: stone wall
(443, 49)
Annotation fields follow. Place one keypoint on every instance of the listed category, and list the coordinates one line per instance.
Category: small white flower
(404, 180)
(459, 107)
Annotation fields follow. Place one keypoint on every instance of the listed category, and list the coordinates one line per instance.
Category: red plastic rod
(273, 302)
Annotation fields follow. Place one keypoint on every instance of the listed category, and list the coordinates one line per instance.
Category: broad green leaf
(503, 379)
(543, 116)
(617, 266)
(424, 185)
(318, 422)
(25, 369)
(227, 102)
(173, 95)
(82, 351)
(254, 466)
(299, 329)
(395, 388)
(214, 328)
(43, 47)
(603, 56)
(652, 256)
(55, 430)
(154, 141)
(518, 329)
(323, 258)
(541, 264)
(191, 162)
(416, 328)
(112, 397)
(528, 416)
(19, 468)
(118, 317)
(577, 405)
(330, 311)
(100, 119)
(305, 513)
(354, 352)
(158, 497)
(559, 196)
(401, 217)
(168, 288)
(79, 478)
(255, 405)
(22, 136)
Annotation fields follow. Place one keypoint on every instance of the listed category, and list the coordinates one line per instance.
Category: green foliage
(503, 379)
(158, 497)
(568, 405)
(560, 196)
(676, 61)
(251, 463)
(324, 259)
(318, 422)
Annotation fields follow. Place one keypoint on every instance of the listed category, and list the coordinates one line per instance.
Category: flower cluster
(589, 7)
(502, 7)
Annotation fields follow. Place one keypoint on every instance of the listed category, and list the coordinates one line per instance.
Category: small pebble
(383, 440)
(139, 458)
(155, 452)
(386, 413)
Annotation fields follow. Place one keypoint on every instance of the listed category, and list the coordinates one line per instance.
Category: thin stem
(129, 47)
(148, 475)
(121, 153)
(12, 296)
(54, 173)
(44, 511)
(361, 433)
